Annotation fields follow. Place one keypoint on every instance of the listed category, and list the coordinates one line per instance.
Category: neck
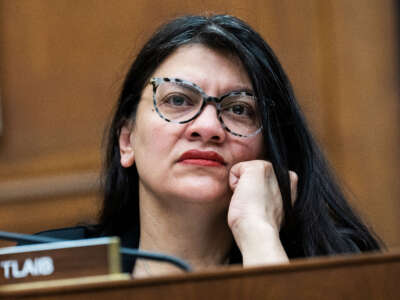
(197, 233)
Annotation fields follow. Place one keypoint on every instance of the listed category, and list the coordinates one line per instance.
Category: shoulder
(68, 233)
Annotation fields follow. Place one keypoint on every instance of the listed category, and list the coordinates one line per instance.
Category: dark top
(128, 240)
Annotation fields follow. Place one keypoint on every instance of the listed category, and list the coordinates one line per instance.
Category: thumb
(234, 175)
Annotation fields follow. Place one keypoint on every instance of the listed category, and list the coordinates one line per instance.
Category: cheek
(245, 150)
(155, 139)
(160, 141)
(149, 130)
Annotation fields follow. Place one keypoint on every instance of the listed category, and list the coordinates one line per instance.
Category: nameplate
(60, 260)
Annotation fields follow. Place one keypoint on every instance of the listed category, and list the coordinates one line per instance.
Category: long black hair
(321, 221)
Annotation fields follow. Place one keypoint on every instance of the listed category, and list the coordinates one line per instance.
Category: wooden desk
(367, 276)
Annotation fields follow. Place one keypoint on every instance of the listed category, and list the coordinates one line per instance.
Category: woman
(210, 159)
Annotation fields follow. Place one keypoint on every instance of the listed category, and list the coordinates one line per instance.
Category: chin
(194, 189)
(204, 194)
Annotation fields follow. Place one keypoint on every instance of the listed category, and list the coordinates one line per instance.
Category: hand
(256, 211)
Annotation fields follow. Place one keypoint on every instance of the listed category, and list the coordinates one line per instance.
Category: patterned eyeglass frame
(156, 82)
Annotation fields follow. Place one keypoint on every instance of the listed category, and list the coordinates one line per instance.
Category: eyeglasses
(180, 101)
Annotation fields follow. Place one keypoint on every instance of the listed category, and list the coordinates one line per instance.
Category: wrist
(248, 229)
(258, 242)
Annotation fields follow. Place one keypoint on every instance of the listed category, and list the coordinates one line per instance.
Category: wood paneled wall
(62, 63)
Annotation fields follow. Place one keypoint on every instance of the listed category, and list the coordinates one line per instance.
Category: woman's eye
(178, 100)
(241, 110)
(238, 109)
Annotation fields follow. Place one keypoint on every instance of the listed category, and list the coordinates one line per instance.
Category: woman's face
(191, 161)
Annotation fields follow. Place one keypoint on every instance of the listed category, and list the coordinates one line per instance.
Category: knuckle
(266, 167)
(293, 177)
(266, 164)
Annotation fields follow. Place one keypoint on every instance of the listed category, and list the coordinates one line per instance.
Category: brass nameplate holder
(60, 260)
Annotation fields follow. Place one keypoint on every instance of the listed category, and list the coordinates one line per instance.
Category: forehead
(208, 68)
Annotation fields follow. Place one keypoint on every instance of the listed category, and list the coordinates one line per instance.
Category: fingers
(256, 194)
(238, 169)
(254, 168)
(293, 186)
(234, 175)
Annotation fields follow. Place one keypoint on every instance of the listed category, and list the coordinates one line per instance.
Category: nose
(206, 127)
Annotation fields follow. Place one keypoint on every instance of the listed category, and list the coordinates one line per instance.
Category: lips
(202, 158)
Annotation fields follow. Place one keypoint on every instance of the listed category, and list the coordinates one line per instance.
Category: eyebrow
(233, 89)
(237, 89)
(240, 89)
